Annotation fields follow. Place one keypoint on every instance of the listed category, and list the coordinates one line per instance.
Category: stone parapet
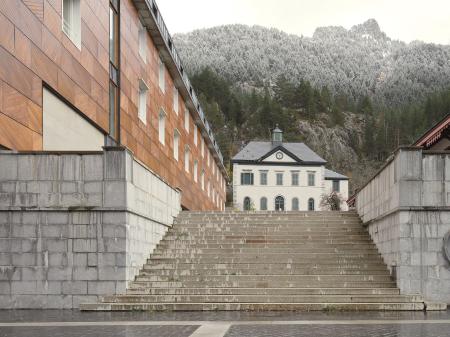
(406, 208)
(74, 227)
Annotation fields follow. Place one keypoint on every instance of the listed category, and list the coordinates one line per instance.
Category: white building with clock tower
(283, 176)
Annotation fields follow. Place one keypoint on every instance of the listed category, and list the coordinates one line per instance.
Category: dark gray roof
(334, 175)
(255, 150)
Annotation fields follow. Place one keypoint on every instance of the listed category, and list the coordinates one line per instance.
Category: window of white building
(311, 204)
(311, 178)
(279, 176)
(263, 204)
(336, 187)
(71, 20)
(263, 177)
(246, 178)
(295, 205)
(294, 178)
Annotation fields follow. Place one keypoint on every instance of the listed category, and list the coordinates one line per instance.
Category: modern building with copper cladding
(78, 75)
(102, 143)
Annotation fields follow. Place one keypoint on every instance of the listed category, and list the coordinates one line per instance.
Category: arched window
(246, 204)
(263, 204)
(311, 204)
(279, 203)
(295, 204)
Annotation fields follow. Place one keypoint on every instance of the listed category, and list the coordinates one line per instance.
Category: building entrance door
(279, 203)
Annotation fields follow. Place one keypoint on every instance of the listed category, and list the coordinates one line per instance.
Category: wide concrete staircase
(264, 261)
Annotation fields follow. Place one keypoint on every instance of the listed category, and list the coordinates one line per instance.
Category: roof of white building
(255, 151)
(334, 175)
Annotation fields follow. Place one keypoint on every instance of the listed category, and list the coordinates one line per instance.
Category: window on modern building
(202, 179)
(247, 204)
(142, 42)
(279, 178)
(246, 178)
(142, 108)
(263, 177)
(186, 120)
(187, 155)
(311, 178)
(310, 204)
(203, 147)
(175, 100)
(162, 75)
(71, 21)
(195, 135)
(162, 126)
(336, 186)
(209, 188)
(263, 204)
(176, 144)
(294, 178)
(295, 204)
(195, 170)
(114, 69)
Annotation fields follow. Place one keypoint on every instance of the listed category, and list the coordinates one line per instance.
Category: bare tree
(331, 201)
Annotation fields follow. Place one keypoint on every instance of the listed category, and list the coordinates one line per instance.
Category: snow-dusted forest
(356, 62)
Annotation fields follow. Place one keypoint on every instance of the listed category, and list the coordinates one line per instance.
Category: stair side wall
(406, 210)
(75, 227)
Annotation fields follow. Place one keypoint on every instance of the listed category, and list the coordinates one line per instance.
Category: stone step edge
(251, 306)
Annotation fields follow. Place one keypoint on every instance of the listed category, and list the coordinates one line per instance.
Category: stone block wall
(74, 227)
(406, 208)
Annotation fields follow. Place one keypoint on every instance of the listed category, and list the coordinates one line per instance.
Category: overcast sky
(406, 20)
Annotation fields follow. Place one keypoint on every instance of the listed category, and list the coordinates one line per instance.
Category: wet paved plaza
(72, 323)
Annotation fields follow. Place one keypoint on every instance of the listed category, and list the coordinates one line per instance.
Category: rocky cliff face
(339, 146)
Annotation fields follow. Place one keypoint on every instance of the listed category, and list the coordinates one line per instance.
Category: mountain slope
(356, 62)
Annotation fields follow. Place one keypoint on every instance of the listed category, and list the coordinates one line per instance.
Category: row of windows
(247, 178)
(71, 25)
(279, 204)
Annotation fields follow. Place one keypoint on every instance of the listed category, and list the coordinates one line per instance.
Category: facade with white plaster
(283, 176)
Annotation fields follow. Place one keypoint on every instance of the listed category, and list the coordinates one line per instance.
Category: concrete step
(251, 306)
(263, 250)
(262, 266)
(262, 284)
(330, 258)
(267, 246)
(262, 299)
(234, 271)
(215, 240)
(136, 290)
(295, 278)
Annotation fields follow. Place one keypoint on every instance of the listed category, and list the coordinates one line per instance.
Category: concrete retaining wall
(406, 208)
(77, 226)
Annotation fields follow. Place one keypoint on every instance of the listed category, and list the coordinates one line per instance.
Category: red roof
(434, 134)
